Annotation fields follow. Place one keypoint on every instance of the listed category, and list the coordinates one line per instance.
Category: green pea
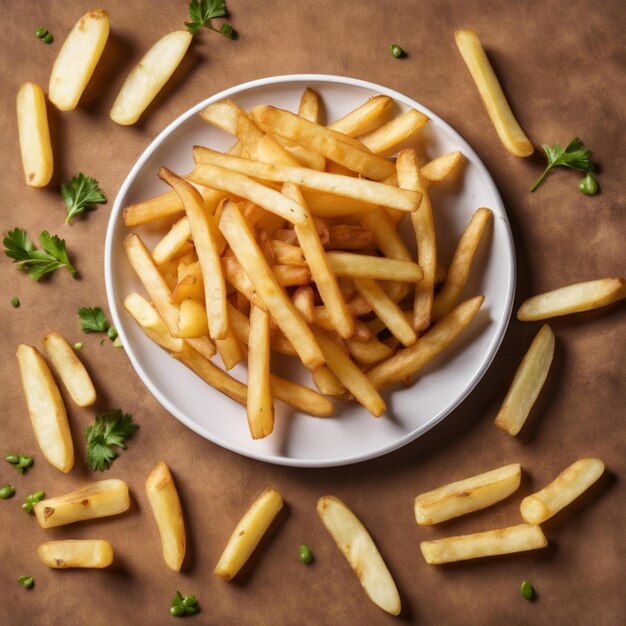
(527, 591)
(15, 301)
(78, 345)
(190, 601)
(192, 610)
(40, 33)
(26, 581)
(177, 611)
(589, 185)
(306, 556)
(7, 492)
(112, 333)
(396, 50)
(12, 458)
(48, 38)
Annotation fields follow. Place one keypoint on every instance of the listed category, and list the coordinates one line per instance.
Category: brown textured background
(562, 65)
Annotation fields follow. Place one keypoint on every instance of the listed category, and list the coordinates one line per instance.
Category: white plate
(353, 435)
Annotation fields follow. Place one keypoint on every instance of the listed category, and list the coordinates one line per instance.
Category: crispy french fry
(573, 299)
(490, 543)
(154, 327)
(368, 117)
(507, 127)
(467, 495)
(353, 265)
(440, 167)
(192, 319)
(70, 369)
(386, 138)
(64, 554)
(321, 318)
(287, 254)
(159, 207)
(46, 409)
(328, 205)
(357, 545)
(291, 276)
(385, 235)
(368, 352)
(171, 245)
(309, 107)
(350, 237)
(99, 499)
(527, 383)
(304, 156)
(248, 532)
(304, 300)
(189, 285)
(564, 489)
(258, 145)
(327, 382)
(300, 397)
(229, 349)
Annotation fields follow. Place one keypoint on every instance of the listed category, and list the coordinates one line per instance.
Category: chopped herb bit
(15, 301)
(32, 499)
(93, 320)
(574, 156)
(109, 430)
(201, 12)
(80, 195)
(6, 492)
(26, 581)
(589, 185)
(48, 38)
(527, 591)
(78, 345)
(181, 606)
(21, 462)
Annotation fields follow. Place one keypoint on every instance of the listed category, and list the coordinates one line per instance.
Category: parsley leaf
(93, 320)
(574, 156)
(80, 194)
(201, 12)
(19, 247)
(109, 430)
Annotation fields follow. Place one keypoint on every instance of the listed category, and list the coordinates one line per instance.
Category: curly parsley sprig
(574, 156)
(201, 12)
(109, 430)
(80, 194)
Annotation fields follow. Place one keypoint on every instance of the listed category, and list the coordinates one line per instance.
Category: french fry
(357, 545)
(387, 137)
(527, 383)
(353, 265)
(229, 349)
(99, 499)
(291, 276)
(304, 300)
(70, 369)
(508, 129)
(77, 59)
(573, 299)
(368, 117)
(34, 135)
(149, 76)
(350, 237)
(440, 167)
(321, 318)
(327, 382)
(304, 156)
(46, 409)
(328, 205)
(468, 495)
(409, 361)
(171, 244)
(309, 107)
(385, 235)
(287, 254)
(64, 554)
(154, 327)
(248, 532)
(192, 319)
(159, 207)
(490, 543)
(222, 114)
(189, 285)
(258, 145)
(564, 489)
(300, 397)
(458, 271)
(260, 405)
(165, 504)
(368, 352)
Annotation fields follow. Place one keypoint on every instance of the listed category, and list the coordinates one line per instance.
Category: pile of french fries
(290, 243)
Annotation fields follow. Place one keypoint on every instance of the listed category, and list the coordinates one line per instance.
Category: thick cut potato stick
(467, 495)
(304, 299)
(327, 382)
(527, 383)
(34, 135)
(458, 271)
(573, 299)
(368, 191)
(77, 59)
(328, 205)
(368, 352)
(490, 543)
(67, 553)
(564, 489)
(170, 246)
(287, 254)
(291, 276)
(46, 409)
(165, 504)
(357, 545)
(350, 237)
(99, 499)
(353, 265)
(154, 327)
(304, 156)
(309, 107)
(229, 349)
(395, 132)
(279, 306)
(507, 127)
(70, 369)
(385, 235)
(189, 285)
(149, 76)
(248, 532)
(300, 397)
(409, 361)
(261, 146)
(321, 318)
(365, 118)
(440, 167)
(350, 375)
(159, 207)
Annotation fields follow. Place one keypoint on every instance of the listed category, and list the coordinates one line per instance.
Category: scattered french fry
(68, 553)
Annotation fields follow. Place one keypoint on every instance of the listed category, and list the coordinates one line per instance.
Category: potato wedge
(77, 59)
(88, 553)
(248, 532)
(34, 135)
(564, 489)
(527, 383)
(490, 543)
(357, 545)
(99, 499)
(70, 369)
(163, 498)
(573, 299)
(46, 409)
(149, 76)
(467, 495)
(154, 327)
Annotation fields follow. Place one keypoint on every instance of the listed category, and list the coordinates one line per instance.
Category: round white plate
(353, 434)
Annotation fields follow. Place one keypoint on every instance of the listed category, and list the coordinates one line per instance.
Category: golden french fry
(46, 409)
(248, 532)
(34, 135)
(229, 349)
(440, 167)
(458, 271)
(304, 300)
(327, 382)
(291, 276)
(490, 543)
(70, 369)
(384, 232)
(368, 117)
(357, 545)
(527, 383)
(300, 397)
(99, 499)
(309, 107)
(368, 352)
(192, 319)
(287, 254)
(165, 504)
(260, 146)
(573, 299)
(154, 327)
(304, 156)
(173, 242)
(564, 489)
(189, 284)
(328, 205)
(159, 207)
(149, 76)
(507, 127)
(386, 138)
(77, 59)
(353, 265)
(467, 495)
(350, 237)
(89, 553)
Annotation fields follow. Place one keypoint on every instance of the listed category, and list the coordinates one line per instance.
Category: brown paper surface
(562, 66)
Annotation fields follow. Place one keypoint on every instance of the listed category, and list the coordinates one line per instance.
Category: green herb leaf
(93, 320)
(80, 194)
(574, 156)
(201, 12)
(110, 430)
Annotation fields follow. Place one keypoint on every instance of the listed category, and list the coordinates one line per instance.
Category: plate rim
(216, 439)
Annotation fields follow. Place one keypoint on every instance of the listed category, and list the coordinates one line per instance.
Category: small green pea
(190, 601)
(192, 610)
(396, 51)
(306, 556)
(527, 591)
(78, 345)
(6, 492)
(40, 33)
(26, 581)
(12, 458)
(112, 333)
(177, 611)
(48, 38)
(15, 301)
(589, 185)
